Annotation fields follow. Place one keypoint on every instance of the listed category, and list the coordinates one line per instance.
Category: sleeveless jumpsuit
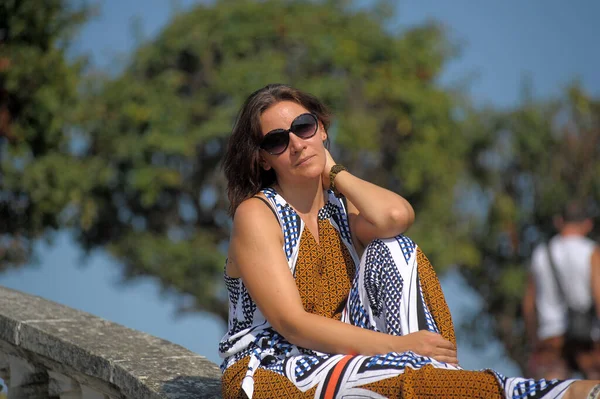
(382, 293)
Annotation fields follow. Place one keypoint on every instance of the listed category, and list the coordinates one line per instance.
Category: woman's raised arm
(375, 212)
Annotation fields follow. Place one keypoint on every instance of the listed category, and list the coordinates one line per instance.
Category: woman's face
(303, 158)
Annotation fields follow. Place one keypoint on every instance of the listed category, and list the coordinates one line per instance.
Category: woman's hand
(374, 212)
(427, 343)
(328, 165)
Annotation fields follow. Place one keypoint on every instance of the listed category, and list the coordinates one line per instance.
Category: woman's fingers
(441, 341)
(433, 345)
(442, 350)
(447, 356)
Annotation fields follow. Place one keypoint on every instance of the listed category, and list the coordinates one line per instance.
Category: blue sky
(552, 41)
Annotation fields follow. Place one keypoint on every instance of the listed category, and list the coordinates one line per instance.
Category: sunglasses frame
(287, 133)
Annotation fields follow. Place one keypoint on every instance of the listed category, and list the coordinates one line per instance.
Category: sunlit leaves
(38, 89)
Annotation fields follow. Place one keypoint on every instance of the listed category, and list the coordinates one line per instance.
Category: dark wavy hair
(245, 177)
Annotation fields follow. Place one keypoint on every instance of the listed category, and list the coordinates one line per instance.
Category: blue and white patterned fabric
(383, 297)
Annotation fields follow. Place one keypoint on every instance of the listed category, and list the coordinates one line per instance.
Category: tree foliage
(38, 88)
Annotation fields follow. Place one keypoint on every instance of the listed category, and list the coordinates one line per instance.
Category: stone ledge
(110, 357)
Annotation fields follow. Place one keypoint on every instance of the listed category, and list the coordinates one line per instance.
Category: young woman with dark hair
(247, 180)
(327, 297)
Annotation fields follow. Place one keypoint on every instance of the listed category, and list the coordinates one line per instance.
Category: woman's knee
(399, 249)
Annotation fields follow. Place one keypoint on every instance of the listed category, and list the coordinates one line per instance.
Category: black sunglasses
(276, 141)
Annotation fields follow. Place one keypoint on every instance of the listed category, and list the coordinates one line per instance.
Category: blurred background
(114, 116)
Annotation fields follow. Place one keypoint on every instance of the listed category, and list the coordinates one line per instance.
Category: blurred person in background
(564, 279)
(327, 297)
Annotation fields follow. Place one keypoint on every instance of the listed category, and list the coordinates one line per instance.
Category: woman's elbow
(402, 218)
(289, 326)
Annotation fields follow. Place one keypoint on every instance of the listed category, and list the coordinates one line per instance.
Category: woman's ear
(323, 131)
(264, 164)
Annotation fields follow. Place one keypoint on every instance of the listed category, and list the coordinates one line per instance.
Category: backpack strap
(555, 274)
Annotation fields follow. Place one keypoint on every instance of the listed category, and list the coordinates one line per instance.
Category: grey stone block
(98, 353)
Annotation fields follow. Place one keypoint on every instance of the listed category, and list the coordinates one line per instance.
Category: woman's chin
(308, 174)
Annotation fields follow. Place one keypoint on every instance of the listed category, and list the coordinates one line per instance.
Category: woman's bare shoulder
(255, 214)
(254, 229)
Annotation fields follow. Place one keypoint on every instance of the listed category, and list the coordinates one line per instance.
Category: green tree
(38, 87)
(524, 164)
(159, 129)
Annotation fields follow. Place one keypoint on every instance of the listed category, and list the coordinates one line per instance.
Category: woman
(320, 304)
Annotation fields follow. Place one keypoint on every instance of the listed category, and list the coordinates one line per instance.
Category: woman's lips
(303, 161)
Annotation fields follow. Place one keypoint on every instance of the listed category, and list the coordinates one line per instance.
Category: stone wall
(51, 350)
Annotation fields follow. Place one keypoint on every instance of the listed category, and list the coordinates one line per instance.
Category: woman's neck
(306, 199)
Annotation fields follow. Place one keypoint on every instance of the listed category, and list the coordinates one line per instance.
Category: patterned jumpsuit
(394, 290)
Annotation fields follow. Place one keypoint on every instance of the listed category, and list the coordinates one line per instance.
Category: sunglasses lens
(304, 126)
(275, 142)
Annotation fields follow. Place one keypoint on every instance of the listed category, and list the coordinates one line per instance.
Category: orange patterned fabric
(434, 297)
(267, 384)
(427, 382)
(430, 382)
(324, 272)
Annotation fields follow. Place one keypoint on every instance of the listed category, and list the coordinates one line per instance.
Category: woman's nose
(296, 143)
